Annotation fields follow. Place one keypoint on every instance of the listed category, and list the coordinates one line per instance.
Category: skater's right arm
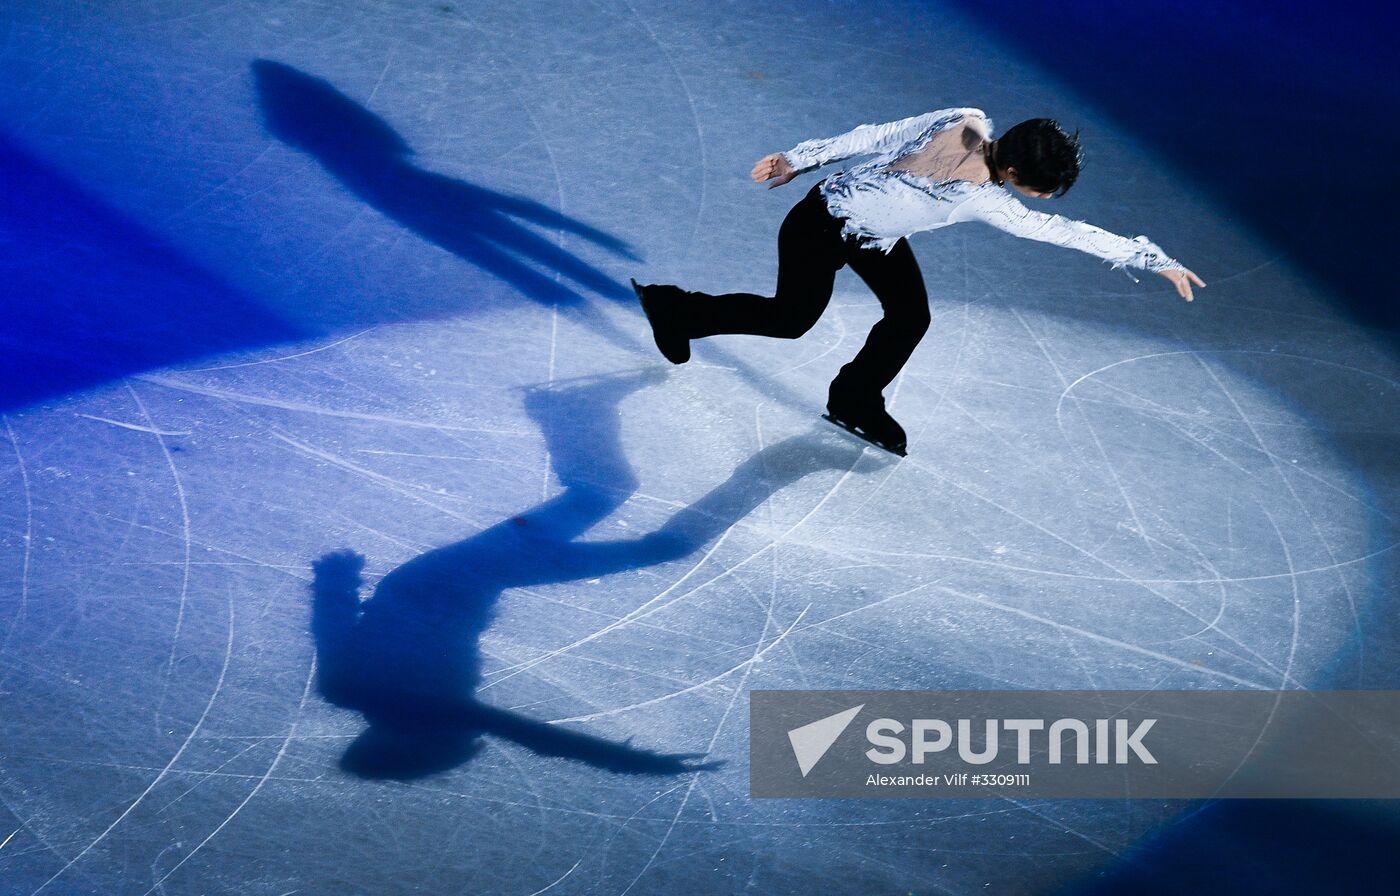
(774, 168)
(870, 139)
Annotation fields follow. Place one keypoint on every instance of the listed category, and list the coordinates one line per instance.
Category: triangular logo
(810, 742)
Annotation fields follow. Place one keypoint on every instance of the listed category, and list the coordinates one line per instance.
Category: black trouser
(810, 252)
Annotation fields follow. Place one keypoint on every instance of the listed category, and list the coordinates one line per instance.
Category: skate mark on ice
(1141, 583)
(1124, 578)
(694, 778)
(311, 351)
(407, 490)
(760, 649)
(262, 781)
(1111, 642)
(152, 429)
(165, 771)
(302, 407)
(1283, 542)
(1138, 526)
(694, 117)
(134, 427)
(27, 557)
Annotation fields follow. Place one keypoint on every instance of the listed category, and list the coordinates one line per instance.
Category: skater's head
(1038, 157)
(307, 112)
(397, 752)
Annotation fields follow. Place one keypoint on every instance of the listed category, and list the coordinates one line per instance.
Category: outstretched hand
(774, 168)
(1182, 279)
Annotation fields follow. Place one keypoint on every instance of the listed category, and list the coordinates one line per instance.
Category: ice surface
(398, 330)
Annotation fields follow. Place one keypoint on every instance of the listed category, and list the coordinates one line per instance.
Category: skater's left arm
(1003, 212)
(1182, 278)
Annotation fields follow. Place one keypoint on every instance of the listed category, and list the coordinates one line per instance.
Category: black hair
(1046, 158)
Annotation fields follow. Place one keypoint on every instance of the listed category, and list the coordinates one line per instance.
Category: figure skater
(929, 171)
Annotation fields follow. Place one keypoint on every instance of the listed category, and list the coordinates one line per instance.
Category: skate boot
(865, 416)
(665, 328)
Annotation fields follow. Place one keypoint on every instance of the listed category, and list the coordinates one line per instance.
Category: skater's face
(1025, 190)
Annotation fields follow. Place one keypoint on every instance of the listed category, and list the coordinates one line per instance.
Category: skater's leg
(897, 283)
(810, 252)
(854, 400)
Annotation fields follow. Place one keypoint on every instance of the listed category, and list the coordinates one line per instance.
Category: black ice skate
(664, 327)
(867, 420)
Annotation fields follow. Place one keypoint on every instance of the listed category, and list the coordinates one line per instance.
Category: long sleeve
(1004, 212)
(869, 139)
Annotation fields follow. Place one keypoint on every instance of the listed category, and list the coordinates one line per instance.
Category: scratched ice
(581, 559)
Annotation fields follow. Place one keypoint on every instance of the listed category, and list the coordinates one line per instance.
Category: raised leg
(810, 252)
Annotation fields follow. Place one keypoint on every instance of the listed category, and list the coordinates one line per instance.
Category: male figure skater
(929, 171)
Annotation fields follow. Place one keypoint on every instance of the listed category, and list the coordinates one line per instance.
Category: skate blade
(836, 421)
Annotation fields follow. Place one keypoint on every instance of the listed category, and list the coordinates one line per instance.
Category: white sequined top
(883, 202)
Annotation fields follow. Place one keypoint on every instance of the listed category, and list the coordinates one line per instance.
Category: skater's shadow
(408, 658)
(489, 229)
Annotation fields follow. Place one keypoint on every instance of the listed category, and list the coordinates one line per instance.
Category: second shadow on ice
(408, 658)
